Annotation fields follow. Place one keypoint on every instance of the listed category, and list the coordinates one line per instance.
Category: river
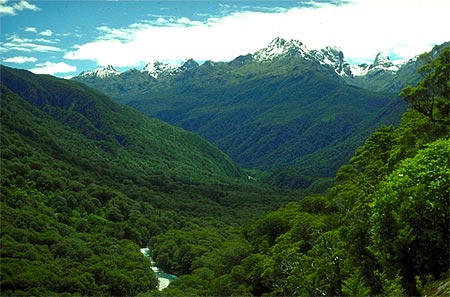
(163, 278)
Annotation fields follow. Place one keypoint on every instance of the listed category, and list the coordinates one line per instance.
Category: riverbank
(164, 279)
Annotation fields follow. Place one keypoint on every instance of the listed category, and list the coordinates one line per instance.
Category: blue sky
(63, 38)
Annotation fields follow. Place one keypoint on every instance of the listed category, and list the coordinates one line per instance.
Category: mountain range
(86, 182)
(382, 69)
(282, 106)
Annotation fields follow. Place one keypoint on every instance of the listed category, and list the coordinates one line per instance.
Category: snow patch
(280, 47)
(156, 68)
(104, 72)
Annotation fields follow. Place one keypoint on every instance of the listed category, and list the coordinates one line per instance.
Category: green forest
(289, 113)
(86, 183)
(382, 229)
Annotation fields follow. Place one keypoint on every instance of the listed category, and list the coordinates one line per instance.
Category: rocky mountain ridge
(278, 48)
(102, 72)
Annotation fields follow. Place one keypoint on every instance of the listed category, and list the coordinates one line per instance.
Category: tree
(410, 219)
(431, 96)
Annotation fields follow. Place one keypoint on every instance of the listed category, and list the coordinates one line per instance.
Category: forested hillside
(383, 229)
(292, 110)
(86, 182)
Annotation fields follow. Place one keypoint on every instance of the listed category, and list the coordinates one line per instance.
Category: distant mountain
(383, 75)
(329, 56)
(284, 105)
(156, 68)
(104, 72)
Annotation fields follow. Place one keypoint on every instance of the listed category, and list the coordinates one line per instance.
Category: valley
(85, 179)
(269, 175)
(282, 107)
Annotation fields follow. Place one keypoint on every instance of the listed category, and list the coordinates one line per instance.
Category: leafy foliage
(429, 96)
(409, 221)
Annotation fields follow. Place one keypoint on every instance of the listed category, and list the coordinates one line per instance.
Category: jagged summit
(381, 64)
(334, 57)
(331, 57)
(154, 69)
(103, 72)
(188, 64)
(157, 68)
(382, 61)
(279, 47)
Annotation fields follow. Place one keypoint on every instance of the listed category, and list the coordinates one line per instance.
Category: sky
(64, 38)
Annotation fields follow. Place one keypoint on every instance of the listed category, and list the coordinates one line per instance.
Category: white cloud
(20, 60)
(361, 28)
(11, 8)
(5, 9)
(31, 29)
(53, 68)
(46, 40)
(47, 32)
(22, 5)
(16, 43)
(107, 52)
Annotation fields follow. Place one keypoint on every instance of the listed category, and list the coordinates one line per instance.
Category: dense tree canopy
(86, 182)
(81, 192)
(381, 230)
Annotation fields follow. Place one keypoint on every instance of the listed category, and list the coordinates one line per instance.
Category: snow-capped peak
(188, 64)
(329, 56)
(156, 68)
(360, 69)
(381, 64)
(279, 47)
(103, 72)
(382, 59)
(334, 57)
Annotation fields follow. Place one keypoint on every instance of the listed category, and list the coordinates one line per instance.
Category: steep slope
(287, 111)
(267, 110)
(118, 129)
(85, 182)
